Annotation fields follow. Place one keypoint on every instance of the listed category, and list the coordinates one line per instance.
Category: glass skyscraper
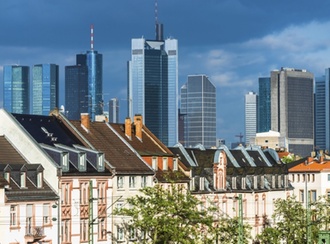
(198, 108)
(263, 124)
(16, 94)
(153, 85)
(84, 86)
(292, 108)
(45, 88)
(251, 115)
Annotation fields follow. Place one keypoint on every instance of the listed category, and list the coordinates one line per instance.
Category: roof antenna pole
(159, 27)
(92, 37)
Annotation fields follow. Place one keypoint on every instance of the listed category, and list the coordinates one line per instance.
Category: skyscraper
(198, 106)
(114, 110)
(153, 85)
(292, 108)
(76, 91)
(45, 88)
(322, 111)
(16, 94)
(89, 72)
(251, 115)
(263, 123)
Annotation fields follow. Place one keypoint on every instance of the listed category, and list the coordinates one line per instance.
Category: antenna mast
(156, 12)
(92, 37)
(159, 27)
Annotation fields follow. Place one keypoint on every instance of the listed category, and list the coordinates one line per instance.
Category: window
(233, 182)
(13, 215)
(132, 234)
(65, 230)
(102, 193)
(255, 182)
(46, 214)
(23, 179)
(29, 220)
(119, 205)
(243, 183)
(154, 163)
(175, 164)
(39, 179)
(66, 193)
(102, 232)
(120, 234)
(84, 193)
(84, 230)
(328, 177)
(132, 182)
(120, 182)
(165, 163)
(143, 181)
(301, 196)
(7, 176)
(313, 196)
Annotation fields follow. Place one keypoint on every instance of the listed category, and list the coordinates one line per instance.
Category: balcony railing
(35, 233)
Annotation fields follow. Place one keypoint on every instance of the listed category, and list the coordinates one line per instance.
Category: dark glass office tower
(85, 79)
(16, 94)
(292, 108)
(321, 113)
(45, 88)
(93, 61)
(153, 85)
(263, 124)
(198, 107)
(76, 91)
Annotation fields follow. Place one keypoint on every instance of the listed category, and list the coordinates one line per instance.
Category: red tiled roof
(117, 153)
(150, 144)
(313, 166)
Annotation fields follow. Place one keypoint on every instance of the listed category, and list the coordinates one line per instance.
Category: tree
(227, 231)
(168, 216)
(292, 220)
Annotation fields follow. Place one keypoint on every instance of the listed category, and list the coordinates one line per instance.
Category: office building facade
(251, 115)
(198, 106)
(114, 110)
(322, 111)
(153, 85)
(292, 108)
(264, 115)
(45, 88)
(16, 89)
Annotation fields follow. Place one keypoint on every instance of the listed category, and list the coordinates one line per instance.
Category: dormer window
(7, 177)
(243, 183)
(233, 182)
(23, 179)
(100, 163)
(255, 182)
(40, 180)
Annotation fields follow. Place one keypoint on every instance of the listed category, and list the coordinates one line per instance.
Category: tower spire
(159, 26)
(92, 37)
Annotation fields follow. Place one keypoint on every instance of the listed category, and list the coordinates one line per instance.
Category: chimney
(85, 122)
(138, 126)
(128, 127)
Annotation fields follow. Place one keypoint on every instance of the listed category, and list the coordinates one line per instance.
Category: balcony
(33, 234)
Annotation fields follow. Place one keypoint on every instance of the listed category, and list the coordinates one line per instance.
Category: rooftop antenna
(159, 26)
(92, 37)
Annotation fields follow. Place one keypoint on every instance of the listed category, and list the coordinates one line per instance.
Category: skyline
(232, 42)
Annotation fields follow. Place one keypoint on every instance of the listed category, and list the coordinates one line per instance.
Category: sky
(233, 42)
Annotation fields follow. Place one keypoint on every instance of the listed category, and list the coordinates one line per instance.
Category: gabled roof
(52, 131)
(122, 157)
